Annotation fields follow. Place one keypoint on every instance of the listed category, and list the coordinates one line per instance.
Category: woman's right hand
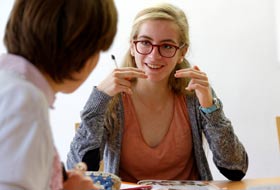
(119, 80)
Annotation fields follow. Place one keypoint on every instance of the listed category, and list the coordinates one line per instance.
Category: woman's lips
(154, 66)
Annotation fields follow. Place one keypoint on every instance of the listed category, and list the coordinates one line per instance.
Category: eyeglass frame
(158, 47)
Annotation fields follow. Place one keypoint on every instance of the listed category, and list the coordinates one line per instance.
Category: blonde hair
(177, 85)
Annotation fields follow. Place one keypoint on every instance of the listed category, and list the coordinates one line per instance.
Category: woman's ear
(183, 53)
(132, 49)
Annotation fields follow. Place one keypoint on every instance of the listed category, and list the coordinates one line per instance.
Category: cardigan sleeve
(229, 155)
(89, 138)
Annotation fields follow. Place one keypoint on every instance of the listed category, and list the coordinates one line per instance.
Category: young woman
(147, 119)
(52, 47)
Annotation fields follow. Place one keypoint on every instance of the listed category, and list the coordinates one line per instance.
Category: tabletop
(260, 183)
(245, 184)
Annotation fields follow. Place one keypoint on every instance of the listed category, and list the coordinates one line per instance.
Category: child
(52, 47)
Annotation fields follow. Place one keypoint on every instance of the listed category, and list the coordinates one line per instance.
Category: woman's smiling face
(157, 32)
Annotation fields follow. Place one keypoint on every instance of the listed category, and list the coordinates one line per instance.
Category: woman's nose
(155, 52)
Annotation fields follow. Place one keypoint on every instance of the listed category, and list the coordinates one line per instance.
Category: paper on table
(131, 186)
(177, 184)
(265, 187)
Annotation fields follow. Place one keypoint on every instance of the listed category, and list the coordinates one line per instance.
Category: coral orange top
(172, 159)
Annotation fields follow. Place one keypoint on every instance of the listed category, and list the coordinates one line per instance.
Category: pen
(114, 59)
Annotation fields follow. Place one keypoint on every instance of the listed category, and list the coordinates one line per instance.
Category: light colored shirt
(28, 158)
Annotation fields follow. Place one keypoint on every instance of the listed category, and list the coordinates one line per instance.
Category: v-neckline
(139, 130)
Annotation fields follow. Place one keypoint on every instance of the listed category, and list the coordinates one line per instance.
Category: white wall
(277, 21)
(235, 42)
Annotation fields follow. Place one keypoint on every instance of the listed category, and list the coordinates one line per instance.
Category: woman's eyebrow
(151, 39)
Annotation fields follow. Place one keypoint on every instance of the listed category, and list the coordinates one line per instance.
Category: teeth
(154, 66)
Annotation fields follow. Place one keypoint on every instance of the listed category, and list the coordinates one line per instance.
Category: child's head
(59, 36)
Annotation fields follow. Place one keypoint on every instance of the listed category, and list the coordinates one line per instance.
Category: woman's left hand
(199, 83)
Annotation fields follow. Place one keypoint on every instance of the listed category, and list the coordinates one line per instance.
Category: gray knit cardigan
(228, 152)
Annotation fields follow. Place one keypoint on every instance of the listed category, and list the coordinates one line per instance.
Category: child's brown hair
(58, 36)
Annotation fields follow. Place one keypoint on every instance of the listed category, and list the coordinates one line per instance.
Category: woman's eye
(167, 46)
(145, 43)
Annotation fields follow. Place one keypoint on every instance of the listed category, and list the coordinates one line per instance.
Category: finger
(190, 73)
(78, 180)
(196, 68)
(195, 83)
(196, 87)
(74, 174)
(125, 89)
(129, 69)
(189, 87)
(123, 82)
(121, 85)
(201, 82)
(129, 74)
(81, 166)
